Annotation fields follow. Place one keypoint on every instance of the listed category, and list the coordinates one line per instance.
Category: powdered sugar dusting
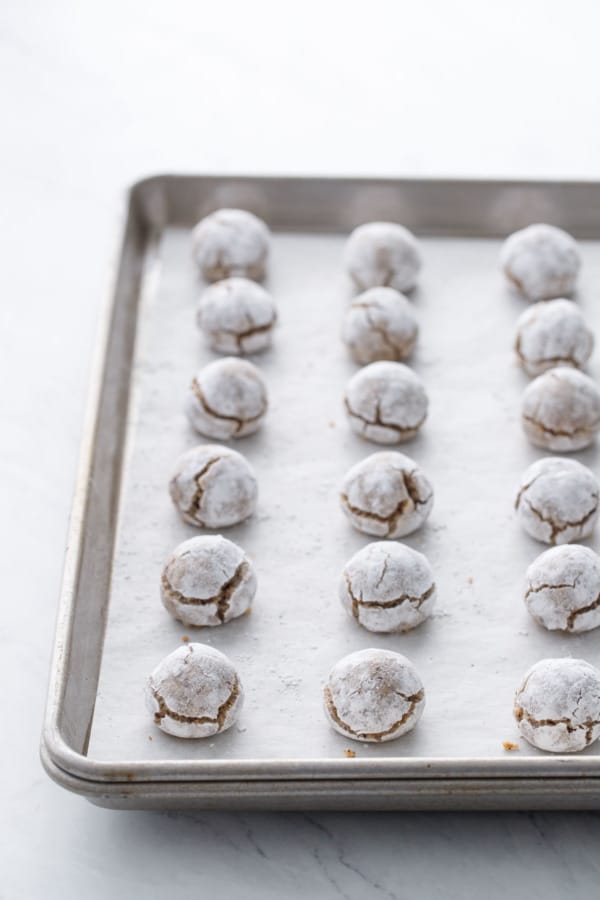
(558, 500)
(231, 242)
(374, 695)
(194, 692)
(386, 402)
(227, 399)
(557, 706)
(563, 589)
(237, 315)
(386, 495)
(383, 253)
(553, 333)
(560, 410)
(213, 487)
(541, 261)
(380, 324)
(207, 580)
(388, 587)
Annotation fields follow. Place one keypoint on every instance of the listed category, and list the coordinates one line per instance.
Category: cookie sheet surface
(473, 651)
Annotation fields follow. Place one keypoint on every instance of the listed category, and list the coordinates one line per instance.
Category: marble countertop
(96, 96)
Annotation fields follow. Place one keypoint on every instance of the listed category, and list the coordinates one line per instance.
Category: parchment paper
(473, 652)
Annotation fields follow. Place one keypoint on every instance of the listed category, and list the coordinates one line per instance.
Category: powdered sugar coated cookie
(207, 581)
(374, 695)
(231, 242)
(194, 692)
(557, 706)
(553, 333)
(237, 315)
(380, 324)
(560, 410)
(213, 487)
(558, 500)
(227, 399)
(386, 495)
(386, 402)
(541, 261)
(388, 587)
(383, 253)
(563, 589)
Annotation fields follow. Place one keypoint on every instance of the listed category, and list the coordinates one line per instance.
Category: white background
(96, 95)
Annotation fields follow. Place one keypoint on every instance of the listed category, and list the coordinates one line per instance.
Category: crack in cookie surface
(241, 336)
(403, 430)
(357, 602)
(412, 699)
(208, 409)
(392, 519)
(218, 720)
(588, 724)
(575, 432)
(222, 599)
(193, 509)
(557, 528)
(579, 612)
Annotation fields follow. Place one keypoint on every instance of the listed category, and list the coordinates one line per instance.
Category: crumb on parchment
(185, 638)
(510, 745)
(349, 754)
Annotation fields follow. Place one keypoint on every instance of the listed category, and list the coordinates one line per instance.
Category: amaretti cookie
(383, 253)
(557, 706)
(227, 399)
(553, 333)
(557, 501)
(213, 487)
(374, 695)
(561, 410)
(231, 242)
(194, 692)
(207, 581)
(380, 324)
(388, 587)
(386, 402)
(563, 589)
(541, 261)
(386, 495)
(237, 316)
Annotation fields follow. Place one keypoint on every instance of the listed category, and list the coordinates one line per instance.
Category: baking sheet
(473, 652)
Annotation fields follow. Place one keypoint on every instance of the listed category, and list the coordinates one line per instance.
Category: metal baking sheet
(112, 630)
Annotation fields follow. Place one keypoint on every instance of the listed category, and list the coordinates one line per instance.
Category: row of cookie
(560, 409)
(373, 696)
(557, 706)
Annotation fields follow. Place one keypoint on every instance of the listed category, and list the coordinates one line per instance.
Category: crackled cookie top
(387, 587)
(237, 315)
(557, 706)
(227, 399)
(541, 261)
(207, 581)
(231, 242)
(213, 487)
(386, 495)
(563, 589)
(380, 324)
(557, 500)
(374, 695)
(552, 333)
(383, 253)
(194, 692)
(561, 410)
(386, 402)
